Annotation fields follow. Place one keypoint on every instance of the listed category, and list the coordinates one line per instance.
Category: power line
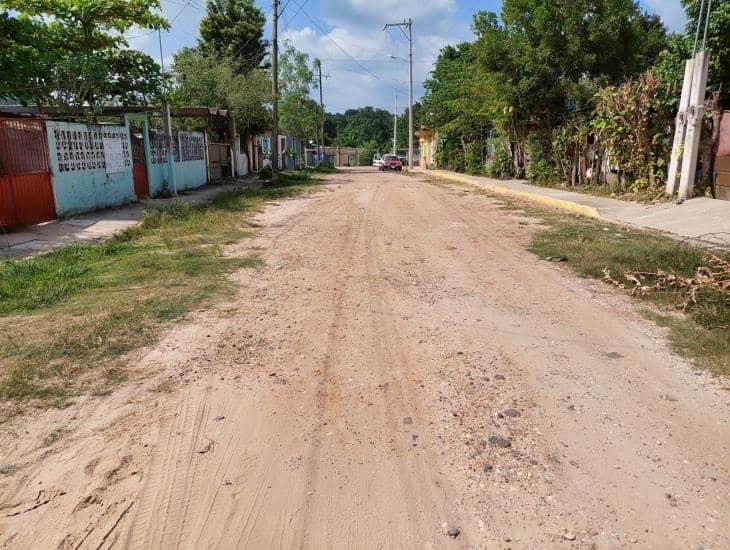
(343, 50)
(291, 19)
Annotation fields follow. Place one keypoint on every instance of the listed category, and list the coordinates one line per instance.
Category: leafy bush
(500, 165)
(474, 158)
(543, 164)
(458, 162)
(266, 173)
(632, 121)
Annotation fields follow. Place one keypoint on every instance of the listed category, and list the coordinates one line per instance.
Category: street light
(408, 24)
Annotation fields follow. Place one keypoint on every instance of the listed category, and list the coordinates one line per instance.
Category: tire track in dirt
(345, 396)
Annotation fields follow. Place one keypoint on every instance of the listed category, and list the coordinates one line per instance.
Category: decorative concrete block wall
(91, 166)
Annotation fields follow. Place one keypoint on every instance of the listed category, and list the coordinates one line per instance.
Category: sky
(348, 36)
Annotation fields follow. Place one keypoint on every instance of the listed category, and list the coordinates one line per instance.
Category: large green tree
(234, 30)
(213, 82)
(367, 125)
(225, 69)
(299, 114)
(73, 52)
(534, 65)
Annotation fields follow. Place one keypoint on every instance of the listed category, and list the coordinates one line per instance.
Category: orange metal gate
(26, 195)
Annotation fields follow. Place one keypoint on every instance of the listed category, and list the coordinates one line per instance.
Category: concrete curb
(574, 207)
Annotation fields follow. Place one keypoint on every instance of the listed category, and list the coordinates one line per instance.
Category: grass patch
(68, 316)
(699, 332)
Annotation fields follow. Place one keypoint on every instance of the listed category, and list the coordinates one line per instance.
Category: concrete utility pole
(688, 130)
(275, 94)
(395, 127)
(318, 66)
(167, 126)
(408, 24)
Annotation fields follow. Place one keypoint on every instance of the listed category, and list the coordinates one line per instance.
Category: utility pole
(167, 126)
(395, 127)
(408, 24)
(318, 66)
(275, 94)
(688, 128)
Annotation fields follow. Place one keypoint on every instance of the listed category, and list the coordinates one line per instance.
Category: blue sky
(347, 35)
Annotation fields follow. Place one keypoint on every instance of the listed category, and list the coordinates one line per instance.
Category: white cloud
(355, 50)
(671, 12)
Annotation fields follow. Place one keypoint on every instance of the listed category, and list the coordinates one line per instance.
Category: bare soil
(400, 367)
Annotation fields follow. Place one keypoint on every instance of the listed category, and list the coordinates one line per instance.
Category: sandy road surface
(354, 393)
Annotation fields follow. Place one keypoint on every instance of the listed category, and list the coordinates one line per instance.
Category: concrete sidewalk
(699, 219)
(96, 226)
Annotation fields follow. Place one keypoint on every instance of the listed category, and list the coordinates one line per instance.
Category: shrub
(473, 159)
(266, 173)
(543, 166)
(459, 162)
(500, 166)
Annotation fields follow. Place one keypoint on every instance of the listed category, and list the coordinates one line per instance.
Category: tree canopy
(299, 114)
(73, 52)
(224, 69)
(529, 71)
(234, 30)
(210, 81)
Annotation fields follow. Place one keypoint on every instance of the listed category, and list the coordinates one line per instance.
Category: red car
(391, 162)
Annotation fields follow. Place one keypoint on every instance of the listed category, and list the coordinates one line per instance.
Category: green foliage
(457, 97)
(299, 115)
(631, 122)
(369, 148)
(364, 126)
(718, 41)
(72, 53)
(544, 167)
(213, 82)
(529, 69)
(474, 158)
(500, 165)
(233, 30)
(458, 161)
(266, 173)
(402, 135)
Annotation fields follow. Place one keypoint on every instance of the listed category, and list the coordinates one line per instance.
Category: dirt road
(399, 368)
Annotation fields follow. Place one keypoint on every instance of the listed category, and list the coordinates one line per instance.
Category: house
(291, 151)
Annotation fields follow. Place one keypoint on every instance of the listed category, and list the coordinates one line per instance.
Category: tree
(367, 125)
(233, 30)
(299, 115)
(532, 67)
(402, 137)
(209, 81)
(76, 53)
(718, 40)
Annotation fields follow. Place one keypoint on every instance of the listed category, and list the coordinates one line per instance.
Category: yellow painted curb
(574, 207)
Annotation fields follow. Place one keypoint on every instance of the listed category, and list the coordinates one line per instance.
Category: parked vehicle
(377, 160)
(391, 162)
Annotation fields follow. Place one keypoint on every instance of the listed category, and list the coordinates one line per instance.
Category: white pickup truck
(377, 161)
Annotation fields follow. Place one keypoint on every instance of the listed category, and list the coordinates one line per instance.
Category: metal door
(139, 163)
(26, 195)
